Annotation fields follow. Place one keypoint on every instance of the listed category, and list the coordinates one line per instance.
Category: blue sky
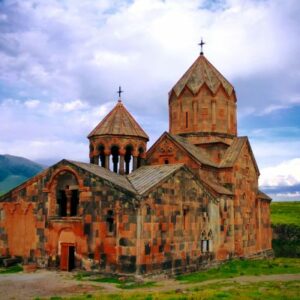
(61, 63)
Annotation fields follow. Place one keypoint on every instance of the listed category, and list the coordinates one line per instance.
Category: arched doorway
(66, 250)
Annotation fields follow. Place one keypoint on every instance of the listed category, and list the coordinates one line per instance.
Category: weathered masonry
(191, 200)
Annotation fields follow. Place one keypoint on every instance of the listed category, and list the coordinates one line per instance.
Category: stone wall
(30, 230)
(166, 151)
(252, 230)
(177, 219)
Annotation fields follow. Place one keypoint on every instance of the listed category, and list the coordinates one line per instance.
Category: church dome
(119, 122)
(118, 142)
(202, 104)
(202, 72)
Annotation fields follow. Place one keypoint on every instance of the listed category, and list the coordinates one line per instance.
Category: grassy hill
(14, 170)
(285, 213)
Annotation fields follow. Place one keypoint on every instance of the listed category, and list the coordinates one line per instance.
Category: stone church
(188, 202)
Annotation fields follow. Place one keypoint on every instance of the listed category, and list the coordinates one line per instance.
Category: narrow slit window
(186, 119)
(110, 221)
(185, 212)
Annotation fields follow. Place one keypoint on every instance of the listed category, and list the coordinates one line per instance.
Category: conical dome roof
(202, 72)
(119, 122)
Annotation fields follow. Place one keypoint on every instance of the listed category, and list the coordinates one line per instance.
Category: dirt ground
(53, 283)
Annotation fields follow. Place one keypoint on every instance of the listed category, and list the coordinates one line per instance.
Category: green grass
(245, 267)
(285, 213)
(246, 291)
(106, 279)
(136, 285)
(229, 269)
(12, 269)
(127, 284)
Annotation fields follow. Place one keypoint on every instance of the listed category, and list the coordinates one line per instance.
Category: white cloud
(86, 49)
(272, 108)
(48, 151)
(48, 131)
(68, 106)
(286, 173)
(32, 103)
(285, 196)
(64, 60)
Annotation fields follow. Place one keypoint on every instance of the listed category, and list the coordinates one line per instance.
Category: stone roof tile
(262, 195)
(138, 182)
(217, 187)
(106, 174)
(146, 177)
(202, 72)
(232, 153)
(119, 122)
(196, 152)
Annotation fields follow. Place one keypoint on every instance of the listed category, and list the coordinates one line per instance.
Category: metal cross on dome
(120, 92)
(201, 44)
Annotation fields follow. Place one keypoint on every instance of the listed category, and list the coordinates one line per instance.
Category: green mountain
(14, 170)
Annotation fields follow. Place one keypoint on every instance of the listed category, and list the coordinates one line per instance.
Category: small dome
(119, 122)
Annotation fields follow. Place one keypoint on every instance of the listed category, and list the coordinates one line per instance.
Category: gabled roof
(262, 195)
(138, 182)
(217, 187)
(196, 153)
(119, 122)
(202, 72)
(146, 177)
(233, 152)
(106, 174)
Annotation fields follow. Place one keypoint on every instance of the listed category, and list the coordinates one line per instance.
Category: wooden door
(64, 257)
(67, 256)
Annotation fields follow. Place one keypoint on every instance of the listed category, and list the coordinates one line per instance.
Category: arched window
(204, 242)
(225, 205)
(67, 195)
(148, 210)
(186, 119)
(2, 215)
(101, 156)
(185, 217)
(128, 159)
(110, 221)
(147, 213)
(91, 153)
(115, 158)
(140, 159)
